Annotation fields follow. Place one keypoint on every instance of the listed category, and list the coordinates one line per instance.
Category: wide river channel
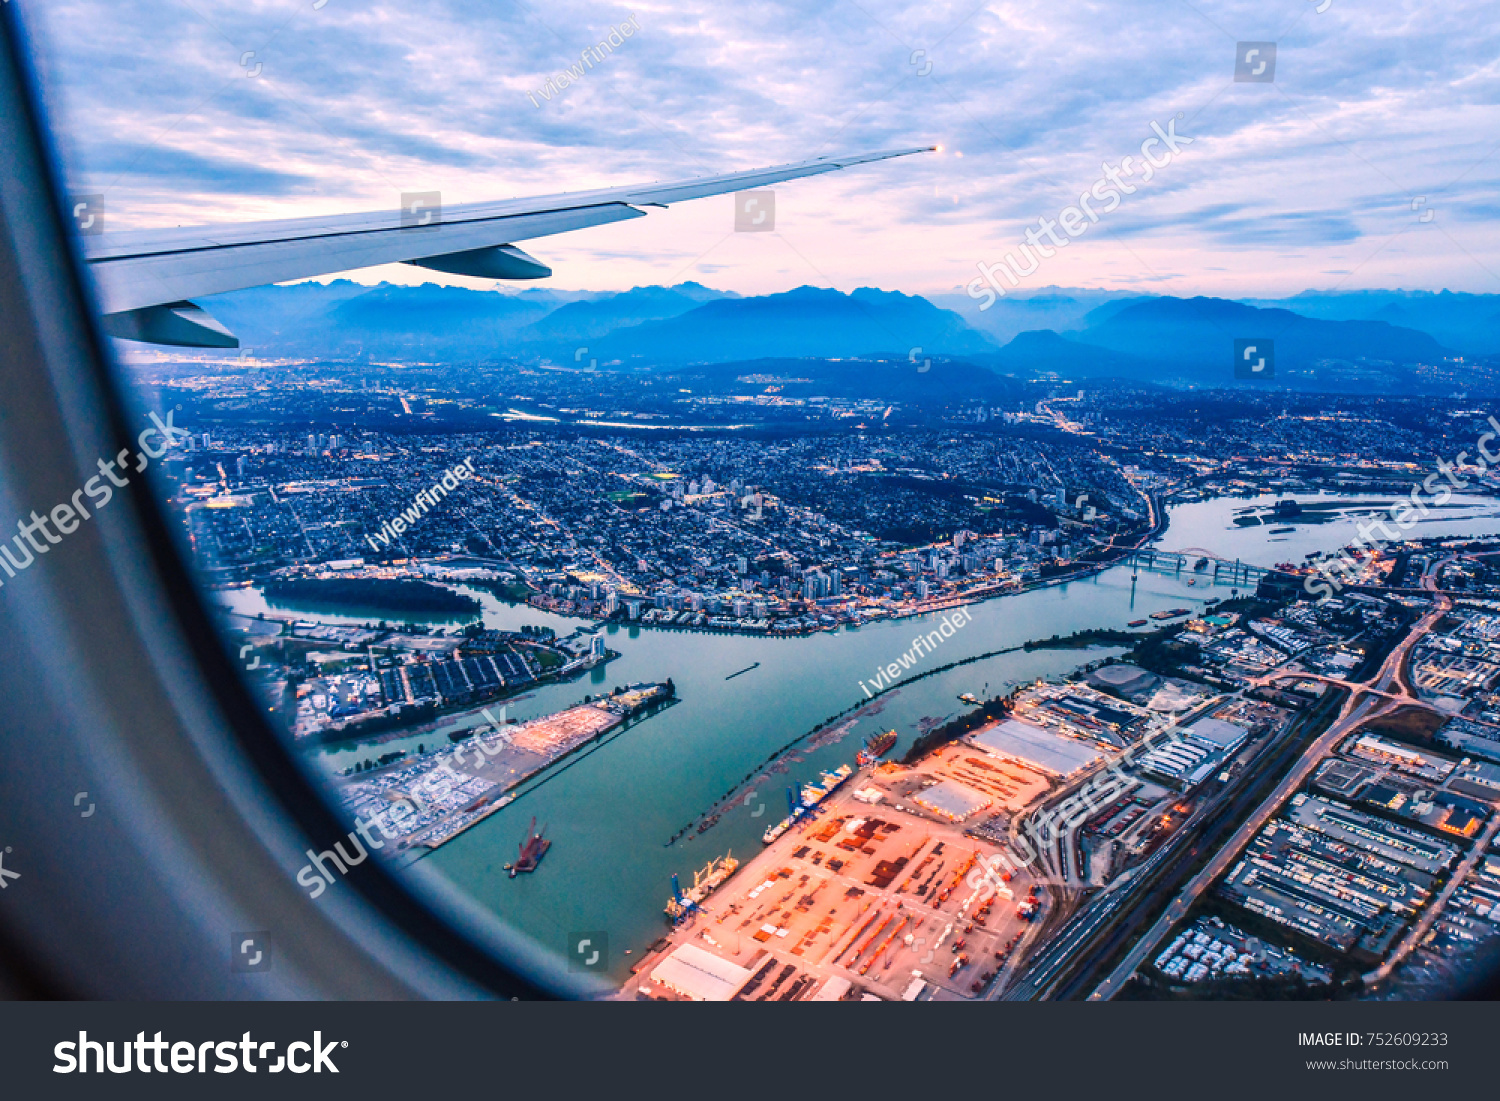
(610, 811)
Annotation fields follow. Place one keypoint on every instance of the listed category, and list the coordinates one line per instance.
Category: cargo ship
(1173, 614)
(875, 748)
(705, 882)
(1136, 623)
(811, 796)
(532, 850)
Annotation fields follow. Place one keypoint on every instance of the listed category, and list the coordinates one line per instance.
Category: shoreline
(886, 615)
(1069, 642)
(429, 838)
(431, 723)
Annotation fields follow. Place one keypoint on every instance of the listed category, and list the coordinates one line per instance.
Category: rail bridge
(1197, 560)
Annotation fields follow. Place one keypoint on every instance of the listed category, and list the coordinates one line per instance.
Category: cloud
(355, 102)
(169, 169)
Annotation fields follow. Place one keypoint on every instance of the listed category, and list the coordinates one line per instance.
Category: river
(610, 811)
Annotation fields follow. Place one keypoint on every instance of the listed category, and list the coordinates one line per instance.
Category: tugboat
(876, 747)
(532, 850)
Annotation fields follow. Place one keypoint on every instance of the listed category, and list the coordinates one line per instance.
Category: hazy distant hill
(384, 321)
(808, 321)
(265, 316)
(596, 317)
(1046, 352)
(1056, 308)
(1195, 337)
(1467, 323)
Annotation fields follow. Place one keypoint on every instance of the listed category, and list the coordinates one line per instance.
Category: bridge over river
(1197, 560)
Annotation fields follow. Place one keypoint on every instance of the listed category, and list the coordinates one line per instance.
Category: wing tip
(879, 155)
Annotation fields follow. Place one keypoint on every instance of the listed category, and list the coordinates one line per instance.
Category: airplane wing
(147, 278)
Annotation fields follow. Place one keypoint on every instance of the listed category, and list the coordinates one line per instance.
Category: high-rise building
(816, 584)
(239, 468)
(596, 646)
(923, 589)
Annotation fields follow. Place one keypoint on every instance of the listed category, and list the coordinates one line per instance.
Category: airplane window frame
(78, 408)
(416, 943)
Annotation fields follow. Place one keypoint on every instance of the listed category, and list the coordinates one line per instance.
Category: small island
(370, 593)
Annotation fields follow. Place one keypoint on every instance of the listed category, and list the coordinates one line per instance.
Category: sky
(1371, 160)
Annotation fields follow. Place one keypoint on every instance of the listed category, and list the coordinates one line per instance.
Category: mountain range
(1386, 340)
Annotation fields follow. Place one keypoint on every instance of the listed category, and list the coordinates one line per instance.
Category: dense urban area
(1288, 792)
